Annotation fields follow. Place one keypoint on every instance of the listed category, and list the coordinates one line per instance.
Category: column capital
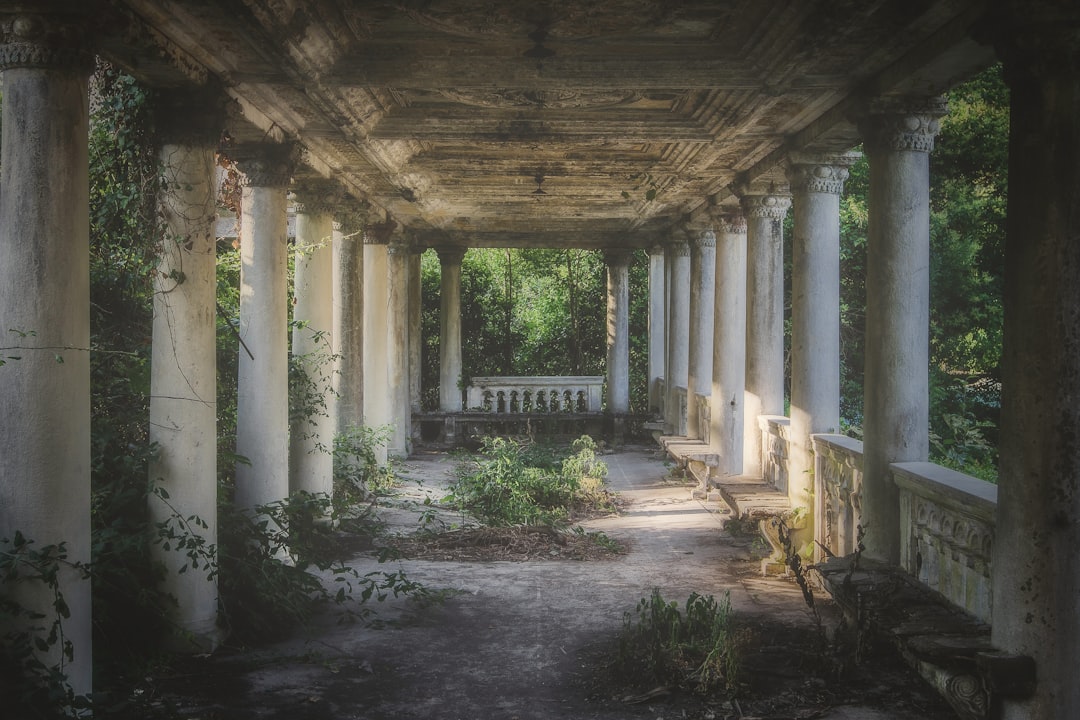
(316, 196)
(704, 238)
(269, 165)
(450, 254)
(618, 256)
(656, 249)
(678, 248)
(190, 115)
(351, 215)
(820, 173)
(398, 248)
(903, 123)
(1035, 38)
(45, 40)
(379, 233)
(729, 221)
(764, 202)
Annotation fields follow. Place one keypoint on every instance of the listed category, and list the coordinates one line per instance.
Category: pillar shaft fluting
(729, 345)
(450, 366)
(618, 331)
(702, 292)
(816, 184)
(764, 317)
(898, 140)
(262, 407)
(45, 296)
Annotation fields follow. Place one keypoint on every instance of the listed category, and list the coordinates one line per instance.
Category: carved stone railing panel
(774, 443)
(704, 416)
(549, 394)
(947, 522)
(838, 470)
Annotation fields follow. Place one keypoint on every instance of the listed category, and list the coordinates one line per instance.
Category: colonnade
(44, 301)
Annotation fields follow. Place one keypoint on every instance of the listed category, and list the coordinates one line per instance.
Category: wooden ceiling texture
(628, 116)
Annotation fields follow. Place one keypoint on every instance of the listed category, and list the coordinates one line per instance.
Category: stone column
(262, 407)
(183, 365)
(397, 347)
(377, 401)
(1036, 566)
(678, 335)
(656, 325)
(729, 344)
(898, 137)
(415, 335)
(765, 209)
(348, 320)
(816, 183)
(45, 301)
(450, 367)
(618, 333)
(702, 297)
(312, 415)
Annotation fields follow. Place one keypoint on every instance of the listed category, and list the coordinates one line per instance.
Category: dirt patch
(513, 544)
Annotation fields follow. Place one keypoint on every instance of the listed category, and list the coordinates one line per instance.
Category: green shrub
(694, 648)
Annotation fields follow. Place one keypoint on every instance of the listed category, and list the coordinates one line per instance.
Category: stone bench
(946, 645)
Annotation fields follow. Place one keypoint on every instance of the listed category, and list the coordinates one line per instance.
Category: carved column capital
(705, 238)
(679, 248)
(45, 40)
(729, 221)
(269, 165)
(769, 204)
(824, 173)
(450, 254)
(190, 116)
(1035, 38)
(615, 257)
(316, 196)
(656, 249)
(903, 123)
(350, 216)
(379, 233)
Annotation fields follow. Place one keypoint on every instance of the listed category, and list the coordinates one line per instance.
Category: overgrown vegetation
(694, 648)
(507, 484)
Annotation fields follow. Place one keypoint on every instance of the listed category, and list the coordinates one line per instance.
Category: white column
(415, 334)
(898, 137)
(702, 297)
(450, 367)
(397, 348)
(1036, 566)
(313, 416)
(816, 184)
(656, 325)
(183, 366)
(377, 400)
(262, 407)
(678, 335)
(765, 210)
(45, 307)
(729, 344)
(348, 321)
(618, 330)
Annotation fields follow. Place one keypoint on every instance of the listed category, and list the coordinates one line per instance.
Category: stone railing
(838, 464)
(661, 395)
(704, 416)
(774, 442)
(947, 522)
(544, 394)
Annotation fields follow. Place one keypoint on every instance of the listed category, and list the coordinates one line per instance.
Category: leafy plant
(695, 647)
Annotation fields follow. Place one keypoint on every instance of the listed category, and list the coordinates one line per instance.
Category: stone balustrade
(947, 522)
(838, 473)
(541, 394)
(774, 455)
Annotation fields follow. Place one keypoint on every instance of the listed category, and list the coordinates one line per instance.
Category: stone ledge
(950, 648)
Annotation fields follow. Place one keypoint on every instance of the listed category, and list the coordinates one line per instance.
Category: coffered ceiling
(550, 122)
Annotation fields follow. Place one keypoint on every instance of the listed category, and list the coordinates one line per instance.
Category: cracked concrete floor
(522, 640)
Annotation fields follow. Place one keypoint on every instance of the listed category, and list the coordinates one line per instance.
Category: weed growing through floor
(503, 487)
(694, 647)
